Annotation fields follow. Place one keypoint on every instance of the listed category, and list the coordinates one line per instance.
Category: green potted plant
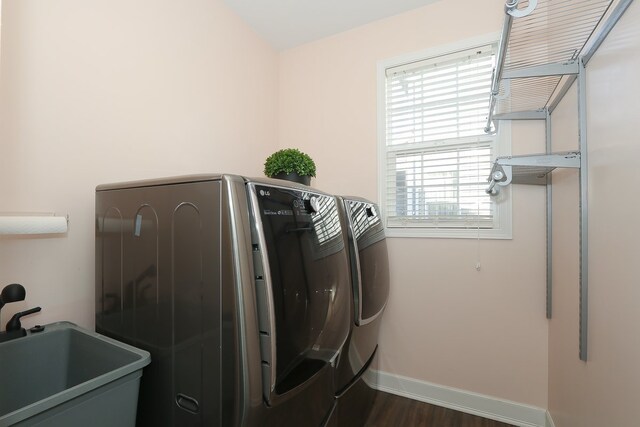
(290, 164)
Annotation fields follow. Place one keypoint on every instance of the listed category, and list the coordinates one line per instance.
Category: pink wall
(445, 323)
(112, 90)
(120, 90)
(603, 391)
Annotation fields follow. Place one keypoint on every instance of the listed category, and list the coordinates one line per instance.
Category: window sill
(466, 233)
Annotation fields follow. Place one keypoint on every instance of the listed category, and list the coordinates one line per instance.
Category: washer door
(302, 285)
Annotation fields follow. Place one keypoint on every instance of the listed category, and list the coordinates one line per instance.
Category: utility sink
(68, 376)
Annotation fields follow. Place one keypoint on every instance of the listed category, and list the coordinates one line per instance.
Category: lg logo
(264, 193)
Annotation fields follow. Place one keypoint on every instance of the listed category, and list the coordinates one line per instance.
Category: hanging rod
(511, 10)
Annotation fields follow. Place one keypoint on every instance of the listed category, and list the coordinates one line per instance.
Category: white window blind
(440, 187)
(437, 155)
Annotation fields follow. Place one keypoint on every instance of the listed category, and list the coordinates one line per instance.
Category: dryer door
(369, 260)
(302, 285)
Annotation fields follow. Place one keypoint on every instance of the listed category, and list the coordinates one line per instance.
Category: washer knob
(314, 203)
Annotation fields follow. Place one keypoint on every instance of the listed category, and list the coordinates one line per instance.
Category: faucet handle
(14, 323)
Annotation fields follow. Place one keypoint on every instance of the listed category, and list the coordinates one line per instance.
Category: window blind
(440, 187)
(437, 154)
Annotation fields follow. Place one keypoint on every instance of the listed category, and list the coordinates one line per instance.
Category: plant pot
(294, 177)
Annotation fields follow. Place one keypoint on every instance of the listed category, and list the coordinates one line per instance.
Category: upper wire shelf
(541, 43)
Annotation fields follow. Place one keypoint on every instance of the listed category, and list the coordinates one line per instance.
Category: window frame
(501, 146)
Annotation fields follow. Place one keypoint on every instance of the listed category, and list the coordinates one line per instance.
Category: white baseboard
(460, 400)
(549, 421)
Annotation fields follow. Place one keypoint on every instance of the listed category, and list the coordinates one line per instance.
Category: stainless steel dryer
(369, 266)
(239, 289)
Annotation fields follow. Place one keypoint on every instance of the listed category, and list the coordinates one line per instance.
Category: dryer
(369, 267)
(240, 290)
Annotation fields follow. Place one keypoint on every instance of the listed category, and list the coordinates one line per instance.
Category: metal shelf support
(549, 200)
(545, 72)
(584, 212)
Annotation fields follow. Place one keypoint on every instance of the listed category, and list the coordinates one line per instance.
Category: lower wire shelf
(528, 169)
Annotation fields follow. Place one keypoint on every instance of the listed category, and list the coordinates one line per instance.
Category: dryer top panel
(184, 179)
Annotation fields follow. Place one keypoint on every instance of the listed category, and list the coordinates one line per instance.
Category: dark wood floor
(394, 411)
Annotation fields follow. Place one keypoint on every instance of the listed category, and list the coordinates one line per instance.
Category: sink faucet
(12, 293)
(14, 329)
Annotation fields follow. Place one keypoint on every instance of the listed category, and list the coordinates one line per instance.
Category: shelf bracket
(529, 169)
(522, 115)
(544, 70)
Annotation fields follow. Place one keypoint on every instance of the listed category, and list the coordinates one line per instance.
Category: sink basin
(69, 376)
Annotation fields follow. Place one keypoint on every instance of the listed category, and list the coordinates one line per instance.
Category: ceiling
(290, 23)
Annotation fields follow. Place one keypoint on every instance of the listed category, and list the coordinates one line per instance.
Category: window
(434, 154)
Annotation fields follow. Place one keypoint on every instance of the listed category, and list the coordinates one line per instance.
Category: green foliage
(289, 160)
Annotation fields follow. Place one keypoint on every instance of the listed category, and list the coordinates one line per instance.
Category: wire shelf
(555, 32)
(526, 94)
(545, 47)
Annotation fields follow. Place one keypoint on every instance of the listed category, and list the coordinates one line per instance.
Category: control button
(315, 204)
(37, 328)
